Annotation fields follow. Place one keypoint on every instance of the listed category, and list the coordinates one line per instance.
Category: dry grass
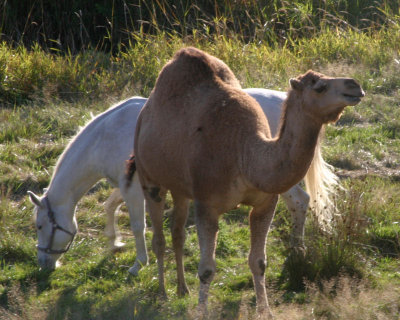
(344, 298)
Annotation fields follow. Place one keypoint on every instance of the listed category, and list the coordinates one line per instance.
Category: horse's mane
(94, 121)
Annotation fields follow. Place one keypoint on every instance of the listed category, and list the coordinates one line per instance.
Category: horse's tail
(130, 170)
(322, 185)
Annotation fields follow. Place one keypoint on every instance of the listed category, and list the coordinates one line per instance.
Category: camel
(202, 138)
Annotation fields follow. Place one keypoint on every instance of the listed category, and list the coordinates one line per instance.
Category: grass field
(353, 273)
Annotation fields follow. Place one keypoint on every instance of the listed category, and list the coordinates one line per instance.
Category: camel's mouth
(353, 99)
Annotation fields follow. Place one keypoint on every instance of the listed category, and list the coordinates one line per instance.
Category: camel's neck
(280, 163)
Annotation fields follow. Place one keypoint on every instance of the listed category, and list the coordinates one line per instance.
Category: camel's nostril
(351, 84)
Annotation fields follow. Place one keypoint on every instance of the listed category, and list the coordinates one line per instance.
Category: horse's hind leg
(134, 199)
(111, 230)
(297, 201)
(179, 217)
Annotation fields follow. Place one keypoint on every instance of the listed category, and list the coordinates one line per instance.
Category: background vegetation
(60, 61)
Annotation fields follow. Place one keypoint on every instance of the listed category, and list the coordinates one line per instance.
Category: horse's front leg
(111, 229)
(134, 199)
(260, 221)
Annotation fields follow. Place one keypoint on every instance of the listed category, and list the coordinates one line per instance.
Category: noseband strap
(55, 227)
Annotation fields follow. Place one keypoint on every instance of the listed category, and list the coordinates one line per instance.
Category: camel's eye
(321, 87)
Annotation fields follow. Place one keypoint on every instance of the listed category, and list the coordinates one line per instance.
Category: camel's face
(324, 98)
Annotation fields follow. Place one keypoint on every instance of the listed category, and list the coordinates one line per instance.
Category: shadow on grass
(129, 305)
(104, 292)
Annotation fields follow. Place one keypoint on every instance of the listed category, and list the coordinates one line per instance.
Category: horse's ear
(35, 199)
(296, 84)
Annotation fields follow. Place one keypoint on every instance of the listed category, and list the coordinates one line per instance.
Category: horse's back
(108, 138)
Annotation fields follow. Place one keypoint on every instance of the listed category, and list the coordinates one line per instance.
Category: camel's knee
(206, 271)
(178, 234)
(257, 265)
(158, 244)
(206, 275)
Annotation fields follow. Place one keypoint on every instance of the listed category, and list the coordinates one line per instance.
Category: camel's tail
(130, 170)
(322, 185)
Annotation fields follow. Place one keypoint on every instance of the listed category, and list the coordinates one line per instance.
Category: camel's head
(55, 233)
(324, 98)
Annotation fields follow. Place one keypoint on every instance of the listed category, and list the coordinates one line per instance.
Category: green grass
(351, 273)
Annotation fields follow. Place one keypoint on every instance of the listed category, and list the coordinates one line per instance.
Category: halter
(55, 227)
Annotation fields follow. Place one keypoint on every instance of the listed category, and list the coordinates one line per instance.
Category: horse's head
(55, 229)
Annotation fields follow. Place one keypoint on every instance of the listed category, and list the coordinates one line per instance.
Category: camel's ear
(35, 199)
(296, 84)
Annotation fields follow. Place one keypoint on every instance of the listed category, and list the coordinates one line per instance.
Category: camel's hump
(188, 68)
(211, 64)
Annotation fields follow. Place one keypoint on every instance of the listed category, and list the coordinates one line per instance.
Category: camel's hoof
(183, 290)
(265, 314)
(201, 312)
(162, 294)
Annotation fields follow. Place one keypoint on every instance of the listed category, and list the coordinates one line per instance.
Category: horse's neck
(73, 176)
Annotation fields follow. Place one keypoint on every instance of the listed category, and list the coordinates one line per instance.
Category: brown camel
(202, 138)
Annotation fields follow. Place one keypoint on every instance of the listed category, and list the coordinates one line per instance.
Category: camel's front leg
(134, 199)
(297, 201)
(179, 217)
(260, 221)
(111, 230)
(207, 229)
(155, 198)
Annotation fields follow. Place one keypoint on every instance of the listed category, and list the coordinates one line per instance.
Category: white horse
(101, 149)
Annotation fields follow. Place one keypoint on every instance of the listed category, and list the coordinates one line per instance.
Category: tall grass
(77, 25)
(37, 75)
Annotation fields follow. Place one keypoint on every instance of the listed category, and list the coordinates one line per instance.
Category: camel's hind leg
(179, 217)
(260, 221)
(134, 199)
(297, 201)
(111, 230)
(207, 229)
(155, 199)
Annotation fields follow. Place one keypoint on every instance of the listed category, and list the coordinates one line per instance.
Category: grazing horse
(100, 150)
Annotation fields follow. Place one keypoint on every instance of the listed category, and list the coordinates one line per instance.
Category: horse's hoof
(117, 246)
(134, 271)
(298, 251)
